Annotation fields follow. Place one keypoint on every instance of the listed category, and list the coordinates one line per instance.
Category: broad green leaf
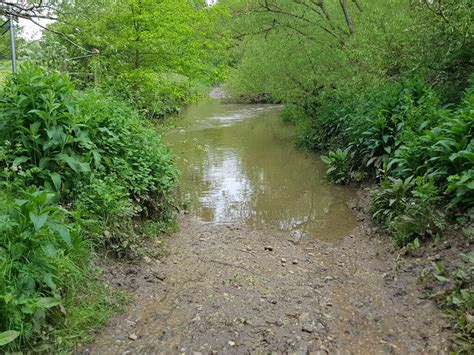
(8, 336)
(48, 302)
(48, 280)
(441, 278)
(34, 127)
(326, 159)
(20, 160)
(49, 250)
(56, 179)
(38, 220)
(62, 230)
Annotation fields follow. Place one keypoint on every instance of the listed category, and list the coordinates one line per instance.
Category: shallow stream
(239, 165)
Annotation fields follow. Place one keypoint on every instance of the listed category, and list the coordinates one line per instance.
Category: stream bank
(269, 256)
(234, 289)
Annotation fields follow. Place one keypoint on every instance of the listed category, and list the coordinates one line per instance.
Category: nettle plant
(70, 143)
(39, 260)
(47, 141)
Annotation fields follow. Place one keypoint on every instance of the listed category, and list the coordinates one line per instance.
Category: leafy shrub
(328, 117)
(338, 165)
(132, 155)
(405, 112)
(408, 209)
(390, 199)
(445, 155)
(457, 298)
(461, 188)
(156, 95)
(422, 152)
(106, 166)
(97, 153)
(41, 257)
(418, 221)
(42, 132)
(374, 123)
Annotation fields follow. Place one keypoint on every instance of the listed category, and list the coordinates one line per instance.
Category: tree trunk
(347, 15)
(359, 6)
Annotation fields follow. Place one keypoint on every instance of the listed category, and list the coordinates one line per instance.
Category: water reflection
(239, 165)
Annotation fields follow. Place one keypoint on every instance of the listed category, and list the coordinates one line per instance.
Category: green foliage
(41, 256)
(402, 135)
(457, 298)
(390, 200)
(444, 154)
(94, 170)
(95, 152)
(408, 209)
(401, 113)
(157, 55)
(44, 135)
(339, 166)
(154, 95)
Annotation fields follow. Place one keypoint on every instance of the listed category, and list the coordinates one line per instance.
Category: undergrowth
(80, 173)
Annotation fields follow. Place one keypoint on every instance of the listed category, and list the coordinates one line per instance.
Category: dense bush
(156, 95)
(79, 170)
(444, 154)
(41, 257)
(406, 207)
(401, 135)
(339, 165)
(421, 152)
(72, 142)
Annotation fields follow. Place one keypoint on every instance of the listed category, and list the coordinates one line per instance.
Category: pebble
(295, 262)
(283, 260)
(328, 278)
(268, 248)
(133, 337)
(231, 343)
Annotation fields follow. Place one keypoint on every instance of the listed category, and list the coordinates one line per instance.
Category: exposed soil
(230, 289)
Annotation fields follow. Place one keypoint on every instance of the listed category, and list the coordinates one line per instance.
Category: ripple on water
(239, 165)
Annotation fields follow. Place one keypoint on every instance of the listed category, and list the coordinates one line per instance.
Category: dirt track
(230, 289)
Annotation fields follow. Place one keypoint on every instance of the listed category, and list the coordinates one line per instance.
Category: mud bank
(232, 289)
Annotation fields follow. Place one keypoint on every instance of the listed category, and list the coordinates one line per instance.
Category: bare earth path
(230, 289)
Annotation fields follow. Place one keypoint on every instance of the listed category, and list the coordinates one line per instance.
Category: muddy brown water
(239, 164)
